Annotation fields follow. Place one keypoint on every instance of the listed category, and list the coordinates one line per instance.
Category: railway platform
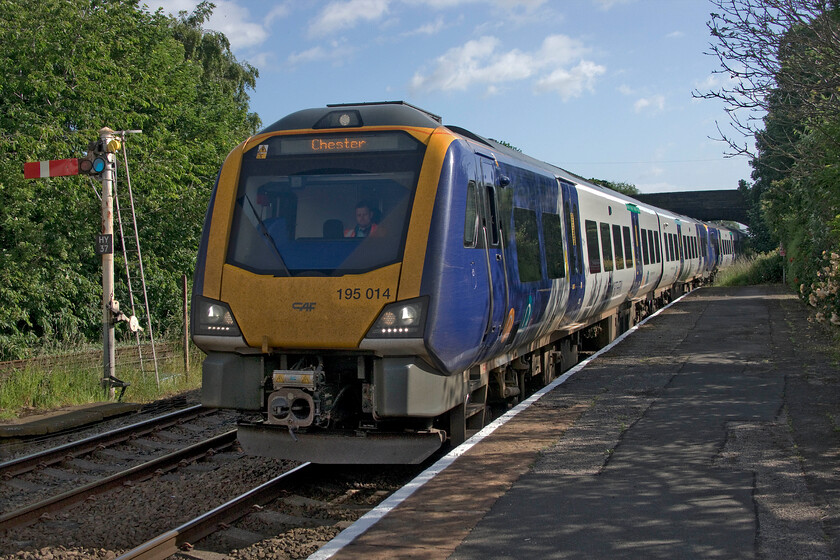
(67, 419)
(712, 431)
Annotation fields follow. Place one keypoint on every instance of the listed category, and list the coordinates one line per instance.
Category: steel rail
(72, 449)
(140, 472)
(169, 543)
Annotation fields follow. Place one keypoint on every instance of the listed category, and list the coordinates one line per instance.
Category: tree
(626, 188)
(69, 68)
(783, 57)
(774, 55)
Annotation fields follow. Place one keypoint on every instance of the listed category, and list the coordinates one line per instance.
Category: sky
(603, 88)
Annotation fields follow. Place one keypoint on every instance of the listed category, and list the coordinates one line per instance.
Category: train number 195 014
(359, 293)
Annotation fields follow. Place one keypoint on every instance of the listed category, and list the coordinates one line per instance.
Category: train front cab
(307, 327)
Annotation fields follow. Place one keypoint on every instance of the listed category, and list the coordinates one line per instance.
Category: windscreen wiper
(260, 226)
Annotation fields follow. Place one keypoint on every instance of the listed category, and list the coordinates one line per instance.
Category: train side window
(658, 247)
(652, 247)
(628, 246)
(619, 253)
(696, 248)
(674, 256)
(606, 247)
(592, 247)
(645, 254)
(555, 259)
(527, 244)
(471, 216)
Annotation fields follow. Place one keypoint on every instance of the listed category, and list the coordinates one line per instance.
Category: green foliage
(73, 382)
(760, 236)
(507, 145)
(625, 188)
(790, 66)
(765, 268)
(824, 293)
(71, 67)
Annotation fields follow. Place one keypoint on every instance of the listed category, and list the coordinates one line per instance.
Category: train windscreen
(325, 204)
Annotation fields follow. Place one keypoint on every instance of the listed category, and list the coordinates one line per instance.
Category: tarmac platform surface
(708, 433)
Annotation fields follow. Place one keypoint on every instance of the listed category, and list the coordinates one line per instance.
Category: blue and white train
(369, 280)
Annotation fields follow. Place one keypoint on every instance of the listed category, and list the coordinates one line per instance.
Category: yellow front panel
(307, 312)
(421, 213)
(220, 224)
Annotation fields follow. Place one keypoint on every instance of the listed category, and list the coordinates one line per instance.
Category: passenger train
(369, 280)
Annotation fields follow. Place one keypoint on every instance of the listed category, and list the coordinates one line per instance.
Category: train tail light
(405, 319)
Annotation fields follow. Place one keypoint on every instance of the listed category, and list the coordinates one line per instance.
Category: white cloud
(232, 20)
(572, 83)
(654, 103)
(430, 28)
(481, 62)
(228, 17)
(675, 35)
(344, 14)
(608, 4)
(171, 6)
(336, 51)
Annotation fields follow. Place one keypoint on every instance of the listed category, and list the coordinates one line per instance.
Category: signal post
(105, 245)
(100, 162)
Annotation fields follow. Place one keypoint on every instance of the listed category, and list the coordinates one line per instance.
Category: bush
(765, 268)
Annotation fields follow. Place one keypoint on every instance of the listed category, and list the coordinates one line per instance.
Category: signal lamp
(95, 162)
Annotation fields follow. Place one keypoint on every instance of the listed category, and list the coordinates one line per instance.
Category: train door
(494, 244)
(637, 252)
(577, 275)
(680, 243)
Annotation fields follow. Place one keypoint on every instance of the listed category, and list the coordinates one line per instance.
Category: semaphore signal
(99, 163)
(50, 168)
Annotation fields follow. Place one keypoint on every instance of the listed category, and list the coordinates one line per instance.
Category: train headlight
(405, 319)
(213, 317)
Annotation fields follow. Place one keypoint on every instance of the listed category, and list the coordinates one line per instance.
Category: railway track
(140, 472)
(57, 477)
(290, 516)
(166, 486)
(69, 451)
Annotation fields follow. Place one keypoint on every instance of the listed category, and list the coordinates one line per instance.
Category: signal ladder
(133, 260)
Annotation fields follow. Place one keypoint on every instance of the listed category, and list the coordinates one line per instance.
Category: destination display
(337, 143)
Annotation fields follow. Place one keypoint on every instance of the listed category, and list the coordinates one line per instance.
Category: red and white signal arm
(50, 168)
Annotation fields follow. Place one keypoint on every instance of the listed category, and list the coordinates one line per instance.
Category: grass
(37, 388)
(765, 268)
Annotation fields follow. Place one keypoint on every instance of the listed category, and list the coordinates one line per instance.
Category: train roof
(351, 115)
(400, 113)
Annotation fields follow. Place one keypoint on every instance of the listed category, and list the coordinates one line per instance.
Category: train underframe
(360, 408)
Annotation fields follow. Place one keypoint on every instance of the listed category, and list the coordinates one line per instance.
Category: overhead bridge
(715, 205)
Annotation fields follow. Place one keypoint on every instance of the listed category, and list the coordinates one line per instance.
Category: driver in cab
(365, 226)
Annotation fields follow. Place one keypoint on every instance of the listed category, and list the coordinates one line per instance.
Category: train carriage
(369, 280)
